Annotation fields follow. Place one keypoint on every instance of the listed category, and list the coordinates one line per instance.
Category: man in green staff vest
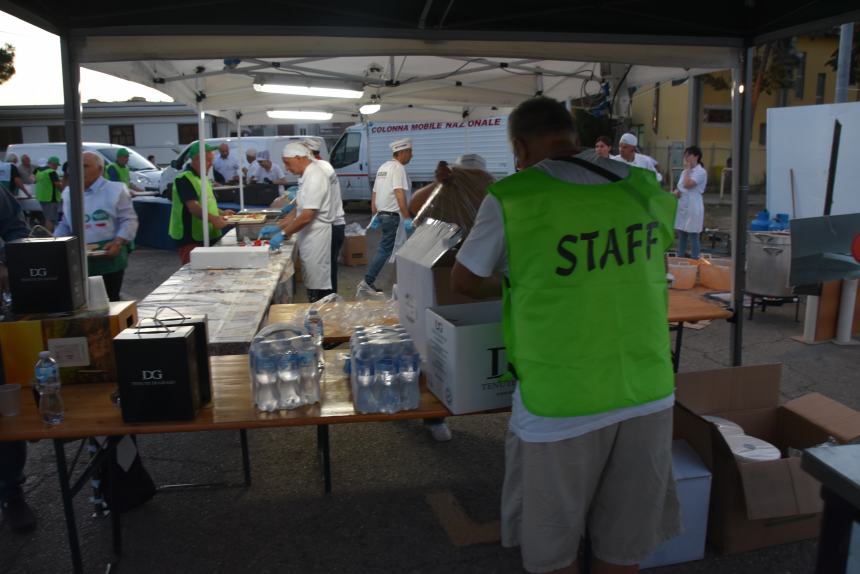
(186, 215)
(579, 244)
(48, 190)
(119, 170)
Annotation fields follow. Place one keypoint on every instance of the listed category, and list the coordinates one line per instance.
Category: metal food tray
(248, 232)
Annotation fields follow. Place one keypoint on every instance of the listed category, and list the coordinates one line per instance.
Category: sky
(38, 78)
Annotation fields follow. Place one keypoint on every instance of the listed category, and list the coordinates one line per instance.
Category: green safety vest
(122, 171)
(45, 190)
(177, 230)
(586, 299)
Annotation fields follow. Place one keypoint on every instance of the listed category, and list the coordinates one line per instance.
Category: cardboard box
(81, 343)
(230, 257)
(45, 275)
(758, 504)
(157, 374)
(424, 266)
(354, 250)
(466, 357)
(693, 485)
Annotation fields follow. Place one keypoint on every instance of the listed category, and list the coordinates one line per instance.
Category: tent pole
(742, 116)
(241, 156)
(204, 176)
(74, 155)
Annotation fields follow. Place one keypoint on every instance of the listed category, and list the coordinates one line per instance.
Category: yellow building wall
(715, 139)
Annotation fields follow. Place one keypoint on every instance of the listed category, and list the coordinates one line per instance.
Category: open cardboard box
(758, 504)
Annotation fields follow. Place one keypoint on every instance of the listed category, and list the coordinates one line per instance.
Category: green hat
(54, 159)
(194, 149)
(122, 152)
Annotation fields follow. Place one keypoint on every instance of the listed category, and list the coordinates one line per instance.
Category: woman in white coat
(690, 216)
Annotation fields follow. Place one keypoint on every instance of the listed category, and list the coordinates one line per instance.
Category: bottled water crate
(285, 368)
(384, 370)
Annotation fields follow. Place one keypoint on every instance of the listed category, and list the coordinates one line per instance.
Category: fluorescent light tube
(319, 92)
(298, 115)
(368, 109)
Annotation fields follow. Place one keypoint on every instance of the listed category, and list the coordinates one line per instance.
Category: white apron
(314, 243)
(690, 216)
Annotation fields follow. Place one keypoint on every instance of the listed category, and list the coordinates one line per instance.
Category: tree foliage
(7, 62)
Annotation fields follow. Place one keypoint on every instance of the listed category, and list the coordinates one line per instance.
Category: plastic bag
(284, 368)
(354, 229)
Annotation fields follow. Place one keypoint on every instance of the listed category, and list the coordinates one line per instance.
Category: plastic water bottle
(266, 383)
(288, 381)
(48, 385)
(387, 385)
(314, 327)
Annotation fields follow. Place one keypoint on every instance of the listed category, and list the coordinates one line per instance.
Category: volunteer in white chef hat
(628, 154)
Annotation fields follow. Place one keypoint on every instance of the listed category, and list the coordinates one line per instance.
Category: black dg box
(201, 341)
(157, 373)
(45, 275)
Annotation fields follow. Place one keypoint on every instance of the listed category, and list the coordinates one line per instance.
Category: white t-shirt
(315, 193)
(641, 160)
(259, 173)
(484, 253)
(228, 167)
(336, 200)
(390, 176)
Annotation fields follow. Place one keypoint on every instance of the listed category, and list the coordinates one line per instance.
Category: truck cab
(349, 159)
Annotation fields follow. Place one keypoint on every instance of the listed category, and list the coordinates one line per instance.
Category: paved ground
(391, 506)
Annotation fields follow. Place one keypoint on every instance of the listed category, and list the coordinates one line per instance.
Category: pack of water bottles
(384, 370)
(285, 368)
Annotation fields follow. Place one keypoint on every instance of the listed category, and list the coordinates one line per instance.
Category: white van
(274, 144)
(362, 148)
(142, 173)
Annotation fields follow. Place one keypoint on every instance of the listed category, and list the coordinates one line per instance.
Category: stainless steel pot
(768, 263)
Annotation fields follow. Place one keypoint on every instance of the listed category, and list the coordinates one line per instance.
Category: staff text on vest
(600, 247)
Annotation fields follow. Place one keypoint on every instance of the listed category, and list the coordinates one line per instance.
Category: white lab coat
(690, 216)
(314, 240)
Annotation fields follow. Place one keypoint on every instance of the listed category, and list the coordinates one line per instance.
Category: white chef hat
(629, 139)
(398, 145)
(251, 151)
(263, 154)
(312, 144)
(471, 161)
(296, 149)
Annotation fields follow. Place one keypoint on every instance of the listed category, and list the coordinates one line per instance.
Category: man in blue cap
(186, 215)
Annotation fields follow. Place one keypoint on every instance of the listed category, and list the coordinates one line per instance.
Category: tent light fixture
(305, 86)
(369, 109)
(298, 115)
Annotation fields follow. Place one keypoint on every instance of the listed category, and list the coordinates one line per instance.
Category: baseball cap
(122, 152)
(629, 139)
(399, 145)
(54, 159)
(296, 149)
(471, 161)
(194, 149)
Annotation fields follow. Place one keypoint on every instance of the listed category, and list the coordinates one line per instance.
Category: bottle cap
(45, 354)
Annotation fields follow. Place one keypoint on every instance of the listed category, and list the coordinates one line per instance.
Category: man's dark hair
(539, 116)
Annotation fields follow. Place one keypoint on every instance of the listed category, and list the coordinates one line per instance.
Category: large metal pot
(768, 263)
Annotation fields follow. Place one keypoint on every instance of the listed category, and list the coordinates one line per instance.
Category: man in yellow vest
(579, 243)
(119, 170)
(186, 215)
(48, 192)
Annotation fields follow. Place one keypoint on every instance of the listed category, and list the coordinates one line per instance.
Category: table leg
(68, 506)
(835, 537)
(325, 455)
(115, 515)
(676, 356)
(246, 457)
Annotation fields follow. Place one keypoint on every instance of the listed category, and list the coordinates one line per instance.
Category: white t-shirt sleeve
(277, 172)
(483, 252)
(398, 177)
(314, 189)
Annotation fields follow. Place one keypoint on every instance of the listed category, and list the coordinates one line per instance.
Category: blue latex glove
(268, 231)
(292, 191)
(288, 208)
(275, 242)
(408, 225)
(375, 223)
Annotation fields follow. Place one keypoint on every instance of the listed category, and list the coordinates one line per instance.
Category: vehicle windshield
(136, 162)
